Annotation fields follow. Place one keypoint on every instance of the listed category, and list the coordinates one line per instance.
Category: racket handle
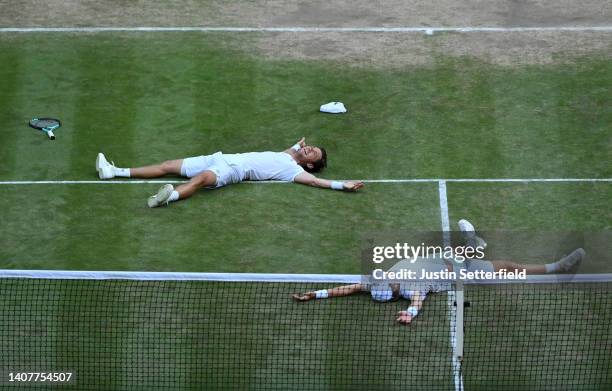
(51, 135)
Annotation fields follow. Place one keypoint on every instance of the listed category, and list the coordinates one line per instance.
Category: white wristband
(337, 185)
(322, 294)
(413, 311)
(296, 147)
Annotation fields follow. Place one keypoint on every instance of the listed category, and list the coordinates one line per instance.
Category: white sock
(124, 172)
(552, 267)
(174, 196)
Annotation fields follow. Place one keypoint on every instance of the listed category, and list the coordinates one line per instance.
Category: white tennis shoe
(162, 196)
(469, 234)
(105, 169)
(572, 260)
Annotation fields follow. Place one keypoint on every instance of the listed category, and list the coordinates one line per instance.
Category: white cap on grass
(333, 108)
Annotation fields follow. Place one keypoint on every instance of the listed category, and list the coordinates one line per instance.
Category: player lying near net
(295, 164)
(386, 291)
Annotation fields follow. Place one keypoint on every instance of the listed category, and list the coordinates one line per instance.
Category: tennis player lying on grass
(295, 164)
(385, 291)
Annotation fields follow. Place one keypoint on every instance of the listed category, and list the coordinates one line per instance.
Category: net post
(460, 300)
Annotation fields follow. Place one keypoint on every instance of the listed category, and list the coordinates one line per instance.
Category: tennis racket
(47, 125)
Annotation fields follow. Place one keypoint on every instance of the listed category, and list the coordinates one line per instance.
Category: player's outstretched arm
(296, 146)
(307, 178)
(338, 291)
(416, 303)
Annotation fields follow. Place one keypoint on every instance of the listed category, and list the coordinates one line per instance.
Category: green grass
(532, 206)
(190, 335)
(548, 337)
(219, 335)
(143, 98)
(244, 228)
(539, 222)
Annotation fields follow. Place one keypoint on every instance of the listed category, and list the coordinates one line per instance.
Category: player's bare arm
(295, 147)
(405, 317)
(416, 303)
(304, 154)
(308, 179)
(338, 291)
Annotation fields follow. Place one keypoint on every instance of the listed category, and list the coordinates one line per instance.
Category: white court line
(229, 29)
(180, 276)
(416, 180)
(266, 277)
(450, 294)
(444, 220)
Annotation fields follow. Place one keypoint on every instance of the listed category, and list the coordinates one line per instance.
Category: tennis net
(149, 331)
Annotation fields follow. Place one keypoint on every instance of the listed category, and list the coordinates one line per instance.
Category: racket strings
(45, 123)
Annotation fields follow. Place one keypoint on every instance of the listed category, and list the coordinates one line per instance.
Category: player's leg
(203, 179)
(108, 170)
(169, 167)
(564, 264)
(517, 267)
(167, 193)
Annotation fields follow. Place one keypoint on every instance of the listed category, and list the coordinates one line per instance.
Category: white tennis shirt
(263, 166)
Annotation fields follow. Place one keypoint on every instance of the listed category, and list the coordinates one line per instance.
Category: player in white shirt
(416, 291)
(295, 164)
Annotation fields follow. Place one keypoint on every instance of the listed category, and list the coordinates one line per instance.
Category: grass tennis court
(264, 228)
(446, 121)
(201, 343)
(143, 97)
(241, 335)
(458, 118)
(537, 346)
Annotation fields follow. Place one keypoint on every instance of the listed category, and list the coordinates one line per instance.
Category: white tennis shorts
(226, 174)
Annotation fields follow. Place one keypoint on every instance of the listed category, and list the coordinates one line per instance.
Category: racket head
(47, 125)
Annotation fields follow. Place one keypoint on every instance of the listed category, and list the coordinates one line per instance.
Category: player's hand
(352, 186)
(302, 142)
(404, 317)
(304, 296)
